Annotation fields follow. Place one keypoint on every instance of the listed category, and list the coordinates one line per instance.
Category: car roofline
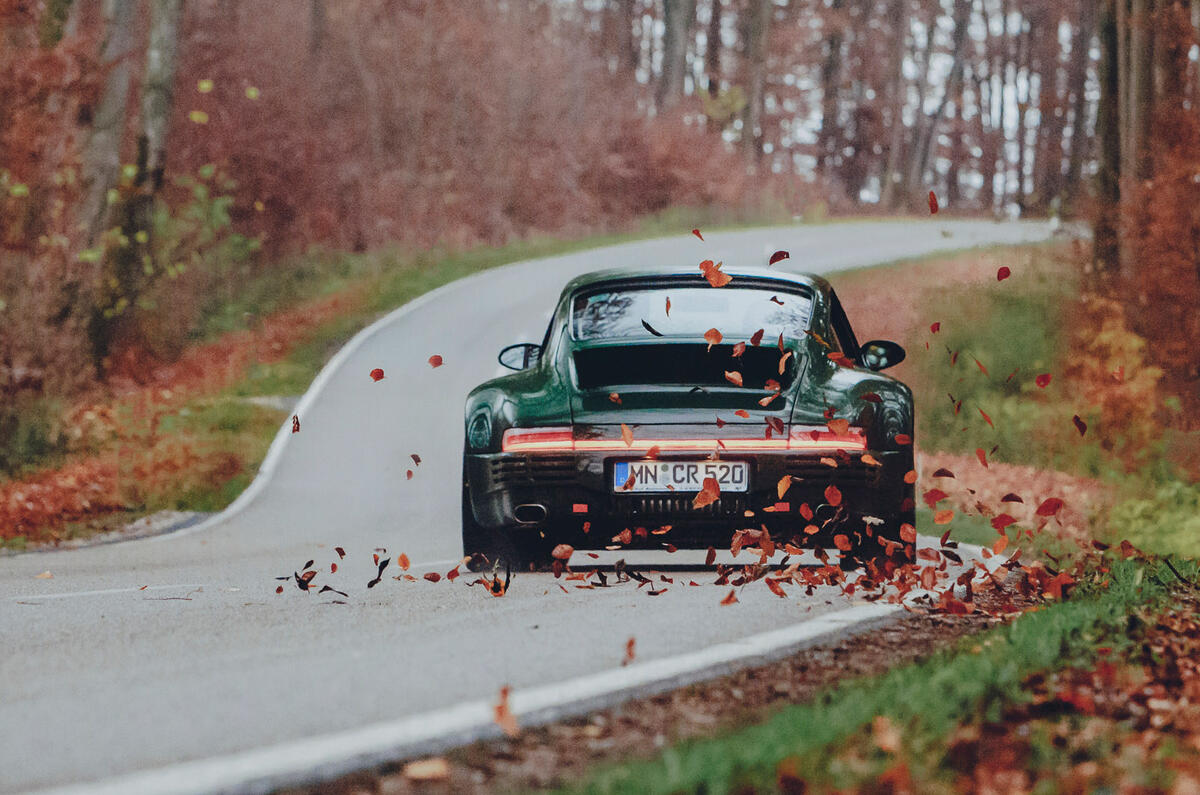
(651, 274)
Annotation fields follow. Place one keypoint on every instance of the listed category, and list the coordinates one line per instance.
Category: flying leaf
(402, 562)
(416, 458)
(45, 575)
(295, 424)
(696, 232)
(433, 576)
(653, 452)
(757, 337)
(614, 397)
(733, 377)
(999, 523)
(279, 589)
(982, 456)
(1003, 273)
(776, 424)
(738, 350)
(885, 734)
(712, 337)
(730, 598)
(842, 542)
(908, 533)
(1000, 545)
(1010, 497)
(562, 552)
(933, 203)
(627, 434)
(503, 715)
(833, 495)
(1080, 425)
(326, 588)
(713, 273)
(943, 473)
(1043, 380)
(630, 651)
(710, 556)
(435, 360)
(775, 300)
(979, 364)
(435, 768)
(934, 328)
(707, 495)
(1049, 507)
(341, 553)
(668, 306)
(742, 413)
(943, 517)
(934, 496)
(903, 438)
(777, 256)
(840, 427)
(870, 460)
(776, 588)
(651, 329)
(377, 374)
(783, 485)
(783, 360)
(986, 418)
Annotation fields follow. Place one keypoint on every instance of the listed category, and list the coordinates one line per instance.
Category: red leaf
(979, 364)
(435, 360)
(295, 424)
(333, 568)
(433, 576)
(279, 589)
(986, 418)
(1010, 497)
(1043, 380)
(982, 456)
(1003, 273)
(1080, 425)
(340, 552)
(1049, 507)
(870, 397)
(377, 374)
(943, 473)
(614, 397)
(934, 496)
(903, 438)
(668, 306)
(696, 232)
(408, 474)
(730, 598)
(777, 256)
(833, 495)
(933, 203)
(742, 413)
(756, 337)
(908, 533)
(806, 512)
(1002, 521)
(775, 423)
(630, 646)
(934, 328)
(842, 542)
(562, 552)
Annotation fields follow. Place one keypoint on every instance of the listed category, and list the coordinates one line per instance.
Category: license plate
(682, 476)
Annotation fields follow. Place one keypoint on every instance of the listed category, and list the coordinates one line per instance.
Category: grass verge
(921, 703)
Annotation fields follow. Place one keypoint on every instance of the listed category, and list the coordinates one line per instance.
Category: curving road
(104, 682)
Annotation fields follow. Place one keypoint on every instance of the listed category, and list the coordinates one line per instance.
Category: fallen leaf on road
(730, 598)
(435, 768)
(45, 575)
(504, 717)
(630, 653)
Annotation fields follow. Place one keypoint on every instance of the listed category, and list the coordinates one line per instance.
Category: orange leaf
(842, 542)
(910, 476)
(870, 460)
(730, 598)
(806, 512)
(627, 434)
(833, 496)
(402, 562)
(943, 517)
(908, 533)
(840, 427)
(986, 418)
(982, 456)
(1000, 545)
(562, 552)
(783, 485)
(377, 374)
(710, 493)
(713, 274)
(712, 337)
(742, 413)
(614, 397)
(783, 360)
(504, 717)
(733, 377)
(435, 360)
(776, 588)
(653, 452)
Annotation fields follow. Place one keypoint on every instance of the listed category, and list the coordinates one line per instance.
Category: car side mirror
(520, 356)
(880, 354)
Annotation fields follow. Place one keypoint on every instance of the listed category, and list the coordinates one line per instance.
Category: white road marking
(105, 592)
(300, 761)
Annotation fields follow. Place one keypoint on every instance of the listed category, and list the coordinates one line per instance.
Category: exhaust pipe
(530, 513)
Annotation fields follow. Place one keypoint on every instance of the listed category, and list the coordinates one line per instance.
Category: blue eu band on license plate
(680, 476)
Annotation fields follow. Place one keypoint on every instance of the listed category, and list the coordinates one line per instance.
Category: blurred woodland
(154, 154)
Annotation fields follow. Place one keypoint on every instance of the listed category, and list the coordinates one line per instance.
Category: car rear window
(735, 312)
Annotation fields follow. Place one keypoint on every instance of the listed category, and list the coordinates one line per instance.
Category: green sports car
(658, 399)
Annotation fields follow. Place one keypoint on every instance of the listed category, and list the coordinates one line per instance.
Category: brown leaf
(756, 337)
(1003, 272)
(295, 424)
(730, 598)
(627, 434)
(712, 337)
(777, 256)
(943, 473)
(562, 552)
(733, 377)
(710, 493)
(433, 576)
(1049, 507)
(1080, 425)
(839, 426)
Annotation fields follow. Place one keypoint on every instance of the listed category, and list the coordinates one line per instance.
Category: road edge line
(315, 759)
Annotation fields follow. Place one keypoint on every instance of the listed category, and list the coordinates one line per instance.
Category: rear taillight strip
(552, 440)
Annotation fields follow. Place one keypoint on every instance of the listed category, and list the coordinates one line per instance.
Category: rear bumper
(575, 488)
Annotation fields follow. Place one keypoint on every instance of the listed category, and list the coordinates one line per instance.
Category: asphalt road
(100, 677)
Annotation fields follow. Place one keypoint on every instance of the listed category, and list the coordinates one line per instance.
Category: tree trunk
(712, 51)
(158, 86)
(1077, 86)
(1106, 251)
(897, 18)
(757, 28)
(831, 70)
(101, 160)
(1141, 78)
(678, 16)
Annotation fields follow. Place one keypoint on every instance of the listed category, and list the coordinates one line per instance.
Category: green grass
(976, 679)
